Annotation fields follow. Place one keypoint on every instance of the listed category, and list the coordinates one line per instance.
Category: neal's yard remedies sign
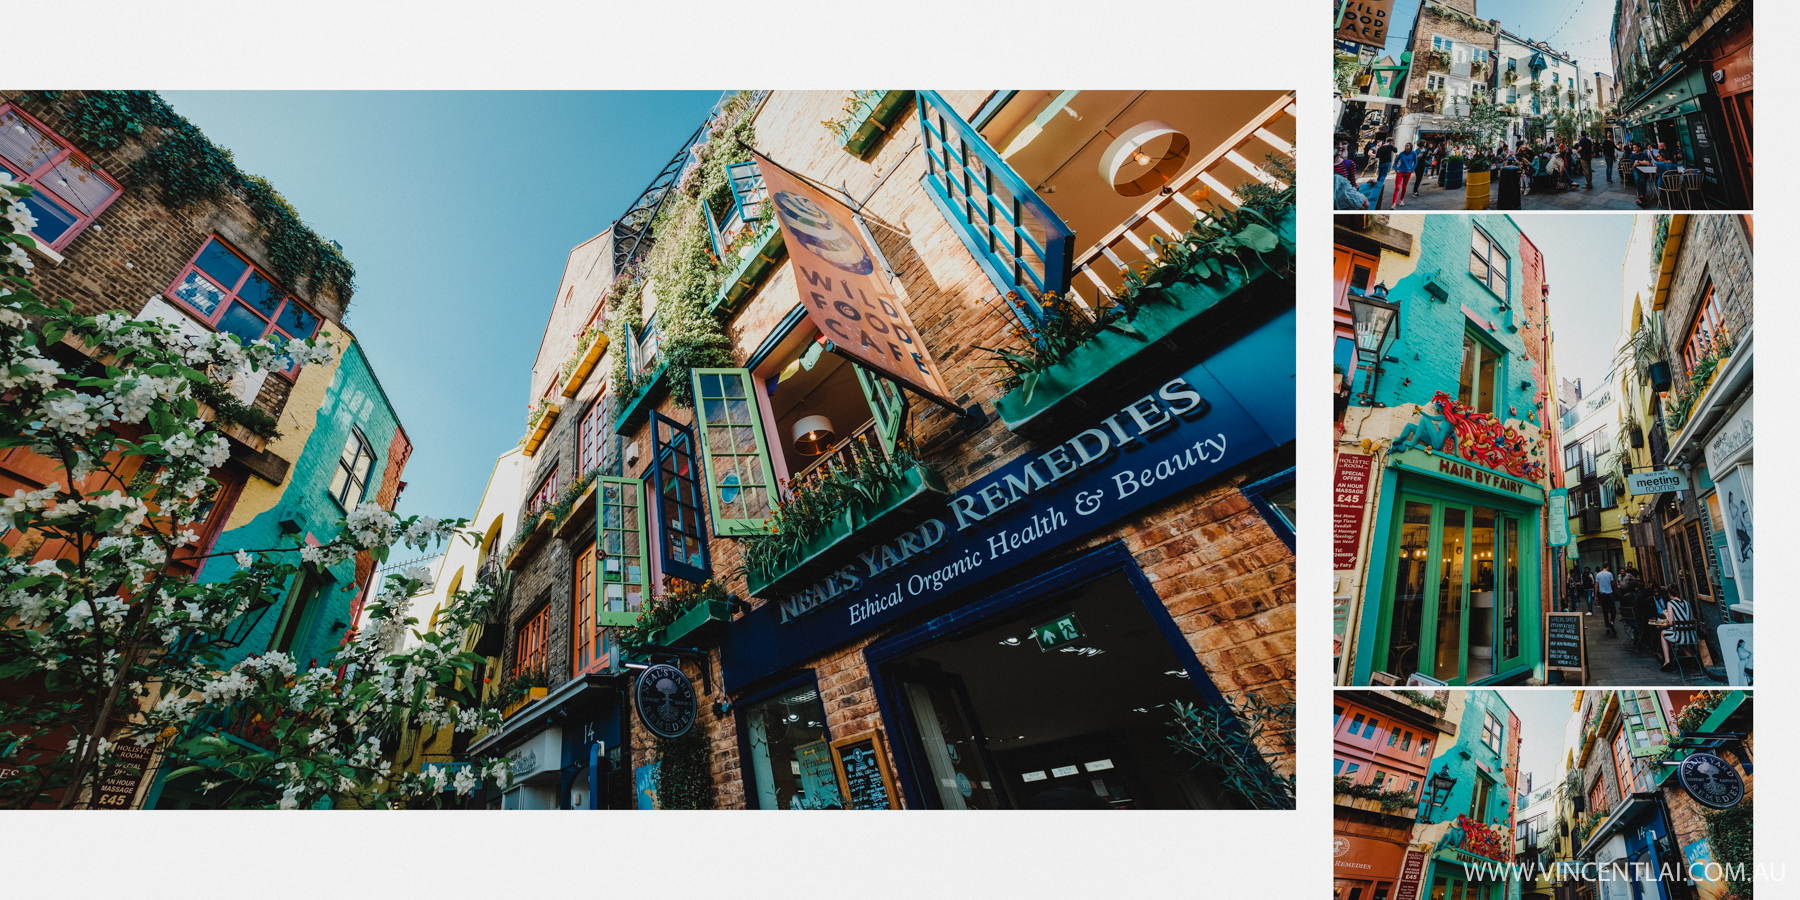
(1149, 448)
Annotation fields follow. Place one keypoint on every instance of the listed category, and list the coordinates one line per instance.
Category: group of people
(1549, 166)
(1645, 604)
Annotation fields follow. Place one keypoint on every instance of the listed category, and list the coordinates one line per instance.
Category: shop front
(1682, 112)
(1457, 594)
(565, 749)
(1365, 868)
(1017, 652)
(1628, 851)
(1454, 874)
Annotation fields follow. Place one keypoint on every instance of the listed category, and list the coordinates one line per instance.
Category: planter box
(582, 505)
(618, 619)
(640, 406)
(1408, 811)
(1085, 371)
(538, 534)
(704, 621)
(1659, 376)
(542, 429)
(749, 273)
(537, 693)
(872, 120)
(867, 526)
(585, 367)
(1475, 195)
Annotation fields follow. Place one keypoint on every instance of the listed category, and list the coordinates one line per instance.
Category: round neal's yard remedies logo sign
(1711, 780)
(665, 701)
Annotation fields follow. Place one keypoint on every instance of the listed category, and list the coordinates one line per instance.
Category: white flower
(21, 216)
(30, 370)
(421, 575)
(18, 257)
(244, 560)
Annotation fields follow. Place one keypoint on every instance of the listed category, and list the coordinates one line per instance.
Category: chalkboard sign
(862, 771)
(1565, 646)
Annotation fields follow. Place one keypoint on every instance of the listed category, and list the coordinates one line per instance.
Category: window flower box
(646, 400)
(578, 510)
(584, 365)
(873, 114)
(870, 524)
(536, 694)
(754, 263)
(540, 532)
(1089, 369)
(539, 426)
(704, 622)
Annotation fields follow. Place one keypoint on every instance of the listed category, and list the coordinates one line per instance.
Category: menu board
(862, 771)
(1350, 493)
(119, 787)
(1564, 646)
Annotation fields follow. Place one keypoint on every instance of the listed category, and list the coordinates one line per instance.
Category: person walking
(1572, 591)
(1609, 150)
(1384, 157)
(1585, 147)
(1405, 163)
(1603, 584)
(1587, 587)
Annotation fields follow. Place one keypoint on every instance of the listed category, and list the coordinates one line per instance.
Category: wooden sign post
(1565, 644)
(862, 770)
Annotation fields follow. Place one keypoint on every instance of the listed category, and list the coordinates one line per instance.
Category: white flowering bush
(104, 642)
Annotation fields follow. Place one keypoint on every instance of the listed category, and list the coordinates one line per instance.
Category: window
(1704, 333)
(591, 436)
(233, 296)
(1632, 775)
(1439, 42)
(681, 535)
(545, 495)
(1350, 770)
(1491, 731)
(533, 650)
(790, 752)
(1337, 715)
(71, 190)
(291, 630)
(1488, 263)
(1512, 65)
(1597, 797)
(621, 562)
(1424, 746)
(1478, 804)
(1480, 373)
(1412, 787)
(1380, 780)
(351, 480)
(1434, 82)
(1406, 741)
(586, 627)
(1356, 724)
(735, 453)
(1393, 737)
(1275, 498)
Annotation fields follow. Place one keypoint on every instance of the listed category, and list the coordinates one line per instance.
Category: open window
(71, 191)
(736, 218)
(681, 538)
(818, 404)
(622, 565)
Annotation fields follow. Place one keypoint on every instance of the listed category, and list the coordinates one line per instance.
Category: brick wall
(1430, 23)
(1714, 250)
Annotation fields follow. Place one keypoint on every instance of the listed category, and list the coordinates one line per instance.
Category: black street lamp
(1441, 785)
(1377, 324)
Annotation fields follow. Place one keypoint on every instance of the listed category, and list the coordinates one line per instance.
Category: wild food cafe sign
(1148, 449)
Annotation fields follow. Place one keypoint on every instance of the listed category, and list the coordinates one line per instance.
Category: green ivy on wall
(1732, 836)
(684, 780)
(185, 167)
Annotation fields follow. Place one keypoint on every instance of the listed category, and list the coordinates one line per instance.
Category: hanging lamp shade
(813, 435)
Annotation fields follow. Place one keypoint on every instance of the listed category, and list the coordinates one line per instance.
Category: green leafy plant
(1697, 711)
(856, 106)
(684, 775)
(1423, 699)
(1731, 833)
(1398, 798)
(1223, 741)
(804, 511)
(185, 167)
(228, 408)
(658, 612)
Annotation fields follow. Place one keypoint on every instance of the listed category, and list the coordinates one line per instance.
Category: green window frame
(623, 565)
(734, 451)
(888, 405)
(1647, 730)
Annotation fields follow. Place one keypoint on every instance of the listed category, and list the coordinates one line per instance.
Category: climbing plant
(185, 167)
(684, 777)
(1732, 836)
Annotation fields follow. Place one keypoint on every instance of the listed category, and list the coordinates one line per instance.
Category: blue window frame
(1274, 497)
(681, 531)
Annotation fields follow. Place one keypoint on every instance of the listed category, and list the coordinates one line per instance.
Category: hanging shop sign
(1559, 517)
(1169, 441)
(1353, 856)
(1350, 494)
(665, 700)
(1365, 21)
(862, 770)
(1733, 441)
(1735, 74)
(842, 294)
(1458, 470)
(1711, 781)
(1659, 481)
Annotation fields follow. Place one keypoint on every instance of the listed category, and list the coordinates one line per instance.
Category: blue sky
(1581, 27)
(458, 210)
(1542, 717)
(1584, 259)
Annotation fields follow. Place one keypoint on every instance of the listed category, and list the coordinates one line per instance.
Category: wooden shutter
(734, 451)
(887, 402)
(623, 565)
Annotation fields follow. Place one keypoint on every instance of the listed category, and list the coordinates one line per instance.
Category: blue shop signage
(1149, 448)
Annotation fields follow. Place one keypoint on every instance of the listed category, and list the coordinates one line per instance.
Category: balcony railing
(1017, 239)
(1101, 267)
(840, 454)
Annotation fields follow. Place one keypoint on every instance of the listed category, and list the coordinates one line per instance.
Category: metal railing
(1099, 270)
(1019, 241)
(843, 453)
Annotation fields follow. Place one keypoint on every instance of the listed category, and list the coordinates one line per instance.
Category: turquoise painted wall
(1467, 752)
(353, 399)
(1431, 331)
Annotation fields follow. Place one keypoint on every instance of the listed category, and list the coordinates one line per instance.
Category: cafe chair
(1684, 647)
(1692, 187)
(1669, 185)
(1628, 625)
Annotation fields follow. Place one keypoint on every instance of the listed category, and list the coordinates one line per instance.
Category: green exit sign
(1057, 632)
